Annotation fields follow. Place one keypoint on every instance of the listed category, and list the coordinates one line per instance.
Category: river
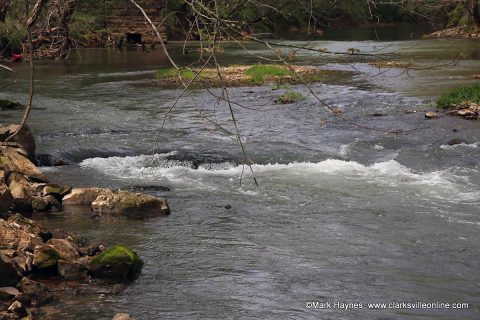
(342, 213)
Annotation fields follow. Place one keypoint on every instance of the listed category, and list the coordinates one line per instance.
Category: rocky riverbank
(461, 32)
(31, 257)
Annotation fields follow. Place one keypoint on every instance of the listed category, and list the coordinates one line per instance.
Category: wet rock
(122, 316)
(118, 288)
(6, 199)
(84, 196)
(119, 262)
(72, 270)
(33, 293)
(148, 188)
(45, 204)
(46, 160)
(431, 115)
(10, 275)
(67, 250)
(133, 205)
(24, 138)
(45, 258)
(455, 141)
(55, 190)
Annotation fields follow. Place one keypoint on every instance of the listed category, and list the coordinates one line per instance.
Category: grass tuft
(172, 72)
(260, 73)
(290, 97)
(459, 96)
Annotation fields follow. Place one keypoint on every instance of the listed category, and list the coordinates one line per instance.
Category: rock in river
(133, 205)
(119, 262)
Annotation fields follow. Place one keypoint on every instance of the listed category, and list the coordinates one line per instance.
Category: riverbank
(461, 32)
(33, 259)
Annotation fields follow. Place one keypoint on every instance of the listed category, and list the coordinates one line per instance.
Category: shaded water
(342, 213)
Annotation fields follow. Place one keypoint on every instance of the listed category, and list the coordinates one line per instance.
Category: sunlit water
(342, 213)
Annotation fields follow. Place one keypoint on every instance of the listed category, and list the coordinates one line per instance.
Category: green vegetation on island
(464, 95)
(241, 75)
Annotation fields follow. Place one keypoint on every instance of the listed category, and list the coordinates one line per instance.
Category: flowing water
(342, 213)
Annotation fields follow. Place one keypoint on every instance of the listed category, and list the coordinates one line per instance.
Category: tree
(3, 9)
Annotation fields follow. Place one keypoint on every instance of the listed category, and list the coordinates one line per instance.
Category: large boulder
(129, 204)
(84, 196)
(24, 138)
(119, 262)
(12, 160)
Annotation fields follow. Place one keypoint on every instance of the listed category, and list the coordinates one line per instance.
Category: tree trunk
(3, 9)
(475, 13)
(473, 9)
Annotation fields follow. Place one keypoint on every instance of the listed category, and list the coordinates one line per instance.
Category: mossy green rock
(119, 262)
(45, 257)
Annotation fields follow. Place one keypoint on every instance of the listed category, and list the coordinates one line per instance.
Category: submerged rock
(10, 105)
(119, 262)
(133, 205)
(46, 160)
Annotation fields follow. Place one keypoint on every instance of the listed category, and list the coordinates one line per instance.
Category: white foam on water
(344, 149)
(387, 174)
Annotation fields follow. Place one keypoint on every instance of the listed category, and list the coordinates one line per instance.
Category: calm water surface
(342, 213)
